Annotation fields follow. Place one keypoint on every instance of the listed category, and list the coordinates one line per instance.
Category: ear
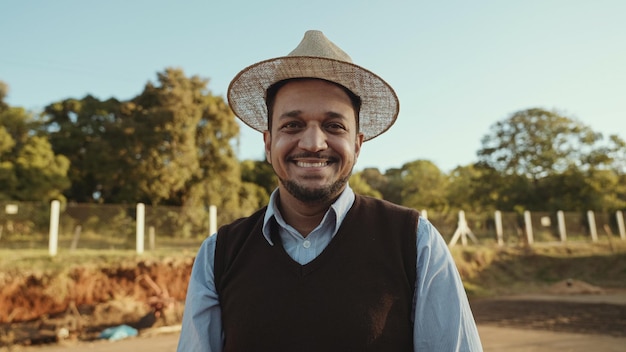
(357, 144)
(267, 139)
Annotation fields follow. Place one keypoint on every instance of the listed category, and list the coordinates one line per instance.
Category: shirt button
(306, 244)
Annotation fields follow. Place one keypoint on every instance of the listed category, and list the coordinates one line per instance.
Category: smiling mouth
(311, 164)
(312, 160)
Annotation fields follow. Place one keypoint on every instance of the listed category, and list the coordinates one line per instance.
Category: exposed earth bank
(76, 298)
(79, 302)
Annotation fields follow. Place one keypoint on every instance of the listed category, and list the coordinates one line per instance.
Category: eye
(335, 127)
(291, 126)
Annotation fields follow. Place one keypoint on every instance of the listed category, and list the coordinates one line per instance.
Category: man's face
(313, 144)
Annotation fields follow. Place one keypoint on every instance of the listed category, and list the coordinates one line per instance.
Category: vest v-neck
(343, 294)
(305, 269)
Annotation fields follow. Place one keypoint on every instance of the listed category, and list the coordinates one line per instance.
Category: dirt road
(494, 339)
(514, 324)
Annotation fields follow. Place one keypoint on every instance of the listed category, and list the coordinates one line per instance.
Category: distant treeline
(174, 144)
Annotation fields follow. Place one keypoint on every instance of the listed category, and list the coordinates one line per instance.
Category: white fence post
(620, 224)
(462, 231)
(529, 227)
(592, 225)
(212, 220)
(561, 220)
(499, 234)
(53, 244)
(140, 227)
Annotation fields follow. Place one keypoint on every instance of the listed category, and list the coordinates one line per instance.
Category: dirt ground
(495, 339)
(68, 311)
(553, 315)
(534, 323)
(79, 303)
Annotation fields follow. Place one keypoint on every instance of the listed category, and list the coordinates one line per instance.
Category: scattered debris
(573, 286)
(118, 332)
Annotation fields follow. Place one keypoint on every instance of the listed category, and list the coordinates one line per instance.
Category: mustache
(309, 155)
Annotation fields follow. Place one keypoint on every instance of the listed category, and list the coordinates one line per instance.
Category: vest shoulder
(243, 223)
(385, 205)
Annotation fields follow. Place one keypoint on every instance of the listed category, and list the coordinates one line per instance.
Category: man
(320, 268)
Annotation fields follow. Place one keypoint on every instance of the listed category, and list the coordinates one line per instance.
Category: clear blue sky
(458, 66)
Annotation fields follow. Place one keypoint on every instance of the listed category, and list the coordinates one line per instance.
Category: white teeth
(304, 164)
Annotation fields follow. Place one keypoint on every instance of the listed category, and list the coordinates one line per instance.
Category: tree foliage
(541, 160)
(418, 184)
(171, 144)
(360, 186)
(460, 192)
(423, 185)
(261, 173)
(536, 143)
(29, 169)
(86, 131)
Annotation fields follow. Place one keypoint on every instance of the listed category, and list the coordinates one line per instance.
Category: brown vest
(357, 295)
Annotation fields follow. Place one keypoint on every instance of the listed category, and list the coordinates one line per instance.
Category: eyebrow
(293, 113)
(335, 115)
(298, 113)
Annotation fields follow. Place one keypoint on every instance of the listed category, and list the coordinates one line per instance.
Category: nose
(313, 139)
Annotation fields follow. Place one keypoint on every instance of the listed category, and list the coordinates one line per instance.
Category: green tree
(536, 143)
(360, 186)
(29, 169)
(219, 182)
(4, 90)
(423, 186)
(539, 160)
(463, 182)
(170, 145)
(8, 178)
(169, 114)
(86, 131)
(259, 172)
(373, 177)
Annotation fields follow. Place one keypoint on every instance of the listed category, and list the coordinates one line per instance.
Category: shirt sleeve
(443, 320)
(202, 321)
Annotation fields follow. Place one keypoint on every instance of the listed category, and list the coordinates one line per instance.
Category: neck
(302, 216)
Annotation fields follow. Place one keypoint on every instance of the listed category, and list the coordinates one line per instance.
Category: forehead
(312, 96)
(294, 84)
(311, 85)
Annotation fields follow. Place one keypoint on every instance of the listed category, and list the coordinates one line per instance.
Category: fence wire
(25, 225)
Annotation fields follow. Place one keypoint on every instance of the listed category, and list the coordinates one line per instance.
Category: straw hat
(315, 57)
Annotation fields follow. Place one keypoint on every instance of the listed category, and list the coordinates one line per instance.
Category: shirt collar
(340, 208)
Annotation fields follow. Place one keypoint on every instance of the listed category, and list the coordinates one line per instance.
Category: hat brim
(379, 102)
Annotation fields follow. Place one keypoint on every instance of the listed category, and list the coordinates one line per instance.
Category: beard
(315, 195)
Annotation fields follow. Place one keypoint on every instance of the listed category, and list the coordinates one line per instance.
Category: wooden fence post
(77, 230)
(561, 220)
(529, 227)
(462, 231)
(140, 226)
(212, 220)
(53, 244)
(499, 234)
(620, 224)
(592, 225)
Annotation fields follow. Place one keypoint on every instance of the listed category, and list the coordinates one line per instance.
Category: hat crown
(316, 44)
(315, 57)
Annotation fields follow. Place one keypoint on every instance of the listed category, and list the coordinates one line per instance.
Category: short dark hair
(270, 97)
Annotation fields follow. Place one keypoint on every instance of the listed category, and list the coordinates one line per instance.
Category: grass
(486, 270)
(39, 260)
(31, 252)
(492, 270)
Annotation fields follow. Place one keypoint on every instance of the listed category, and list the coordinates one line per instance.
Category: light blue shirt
(443, 320)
